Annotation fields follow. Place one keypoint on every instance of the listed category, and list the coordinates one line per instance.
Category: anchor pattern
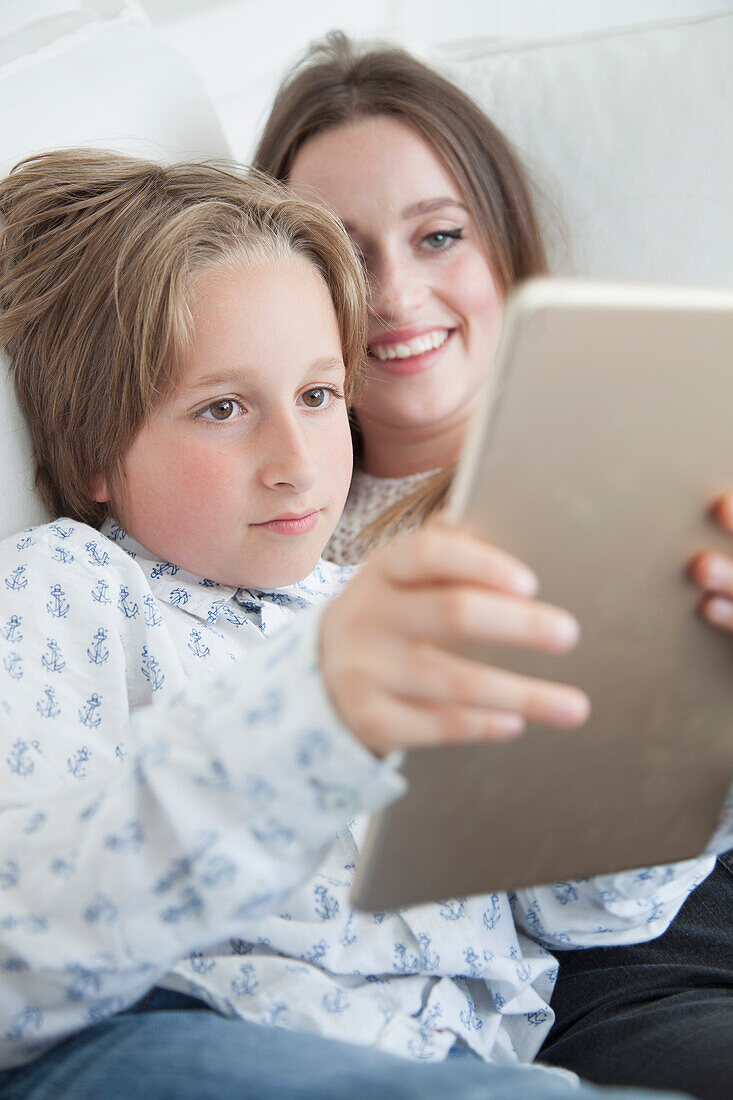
(11, 631)
(198, 647)
(48, 705)
(97, 651)
(89, 715)
(16, 580)
(91, 628)
(52, 660)
(58, 605)
(100, 590)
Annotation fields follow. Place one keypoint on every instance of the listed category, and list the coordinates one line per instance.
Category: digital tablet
(604, 434)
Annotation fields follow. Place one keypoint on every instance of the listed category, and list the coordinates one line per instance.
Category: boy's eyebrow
(235, 377)
(328, 363)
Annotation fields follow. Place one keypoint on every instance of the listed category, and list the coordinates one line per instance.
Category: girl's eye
(224, 409)
(442, 240)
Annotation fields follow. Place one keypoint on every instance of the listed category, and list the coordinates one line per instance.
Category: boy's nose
(287, 458)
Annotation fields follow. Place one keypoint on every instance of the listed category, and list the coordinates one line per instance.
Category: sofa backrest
(629, 135)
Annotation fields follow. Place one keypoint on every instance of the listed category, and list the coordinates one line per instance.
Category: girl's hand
(713, 571)
(382, 657)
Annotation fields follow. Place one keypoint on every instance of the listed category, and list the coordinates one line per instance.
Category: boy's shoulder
(65, 582)
(64, 544)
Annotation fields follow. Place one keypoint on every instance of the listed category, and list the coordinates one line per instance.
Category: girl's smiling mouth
(409, 351)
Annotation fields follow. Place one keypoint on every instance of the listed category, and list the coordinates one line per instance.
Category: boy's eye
(224, 409)
(441, 240)
(317, 398)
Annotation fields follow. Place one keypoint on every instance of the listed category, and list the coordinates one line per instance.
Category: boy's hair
(98, 256)
(337, 83)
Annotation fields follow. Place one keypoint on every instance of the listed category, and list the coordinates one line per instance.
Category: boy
(183, 343)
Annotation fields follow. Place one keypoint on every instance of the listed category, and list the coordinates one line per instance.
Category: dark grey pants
(657, 1014)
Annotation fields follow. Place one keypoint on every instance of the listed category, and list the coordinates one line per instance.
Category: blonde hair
(335, 84)
(98, 256)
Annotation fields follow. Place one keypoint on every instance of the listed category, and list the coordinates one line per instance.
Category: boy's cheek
(165, 502)
(339, 463)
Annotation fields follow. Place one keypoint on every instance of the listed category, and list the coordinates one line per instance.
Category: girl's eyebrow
(424, 206)
(427, 206)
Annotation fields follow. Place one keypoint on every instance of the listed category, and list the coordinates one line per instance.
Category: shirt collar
(208, 600)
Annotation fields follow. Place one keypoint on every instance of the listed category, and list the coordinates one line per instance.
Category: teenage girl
(441, 216)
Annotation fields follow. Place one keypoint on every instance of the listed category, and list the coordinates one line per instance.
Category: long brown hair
(335, 84)
(98, 256)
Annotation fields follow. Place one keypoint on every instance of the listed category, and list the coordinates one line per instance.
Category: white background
(242, 47)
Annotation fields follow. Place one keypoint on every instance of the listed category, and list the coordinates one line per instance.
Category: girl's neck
(398, 453)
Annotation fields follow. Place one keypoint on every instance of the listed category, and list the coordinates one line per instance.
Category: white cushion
(74, 73)
(629, 133)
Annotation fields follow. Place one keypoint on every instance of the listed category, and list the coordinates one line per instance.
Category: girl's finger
(722, 511)
(713, 572)
(465, 614)
(719, 611)
(439, 553)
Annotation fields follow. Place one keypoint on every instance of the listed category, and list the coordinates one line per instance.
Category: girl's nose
(287, 458)
(397, 290)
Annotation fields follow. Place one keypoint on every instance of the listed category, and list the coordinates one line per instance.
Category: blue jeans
(656, 1014)
(171, 1046)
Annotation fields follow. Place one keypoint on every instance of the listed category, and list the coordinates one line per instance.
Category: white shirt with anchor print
(181, 806)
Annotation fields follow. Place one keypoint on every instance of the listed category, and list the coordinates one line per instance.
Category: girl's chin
(396, 419)
(416, 419)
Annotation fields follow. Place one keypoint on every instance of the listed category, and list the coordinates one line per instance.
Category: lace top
(369, 496)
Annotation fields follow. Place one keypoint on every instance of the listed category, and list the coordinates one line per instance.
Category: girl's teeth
(412, 347)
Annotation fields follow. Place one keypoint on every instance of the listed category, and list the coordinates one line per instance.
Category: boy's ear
(98, 489)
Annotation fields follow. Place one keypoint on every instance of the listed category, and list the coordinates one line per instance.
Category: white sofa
(629, 135)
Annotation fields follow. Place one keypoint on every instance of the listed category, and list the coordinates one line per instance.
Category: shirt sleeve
(232, 792)
(628, 907)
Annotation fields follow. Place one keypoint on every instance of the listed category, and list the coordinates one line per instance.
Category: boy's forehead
(259, 326)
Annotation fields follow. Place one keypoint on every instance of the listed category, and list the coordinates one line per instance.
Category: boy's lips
(409, 351)
(291, 523)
